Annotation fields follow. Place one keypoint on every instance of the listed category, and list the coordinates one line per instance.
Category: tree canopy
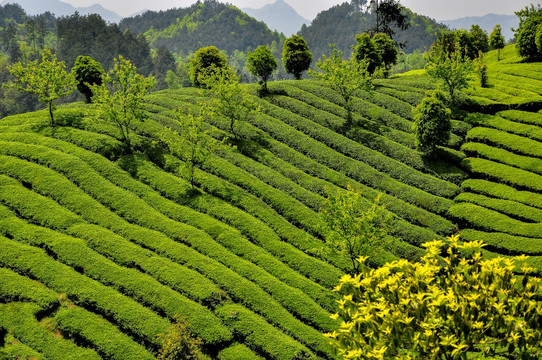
(461, 306)
(496, 40)
(344, 76)
(296, 56)
(204, 60)
(47, 79)
(432, 122)
(261, 63)
(119, 99)
(86, 72)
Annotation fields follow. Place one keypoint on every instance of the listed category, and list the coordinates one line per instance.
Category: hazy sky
(437, 9)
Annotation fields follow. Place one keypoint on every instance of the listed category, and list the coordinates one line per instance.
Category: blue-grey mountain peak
(60, 8)
(279, 16)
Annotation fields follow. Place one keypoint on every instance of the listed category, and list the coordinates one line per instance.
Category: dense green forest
(340, 24)
(207, 23)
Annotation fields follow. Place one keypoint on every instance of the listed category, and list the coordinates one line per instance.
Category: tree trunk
(51, 113)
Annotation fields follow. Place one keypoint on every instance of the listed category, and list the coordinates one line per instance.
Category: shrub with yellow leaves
(456, 306)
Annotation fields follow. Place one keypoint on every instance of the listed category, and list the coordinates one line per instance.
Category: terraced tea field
(100, 251)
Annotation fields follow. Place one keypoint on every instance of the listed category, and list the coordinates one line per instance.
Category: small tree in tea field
(229, 98)
(190, 142)
(432, 122)
(47, 79)
(119, 99)
(345, 77)
(296, 56)
(261, 63)
(496, 40)
(354, 230)
(86, 72)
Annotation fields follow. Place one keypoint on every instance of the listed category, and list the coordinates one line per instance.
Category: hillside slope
(206, 23)
(99, 250)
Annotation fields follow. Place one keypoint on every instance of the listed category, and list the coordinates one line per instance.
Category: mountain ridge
(279, 16)
(60, 8)
(486, 22)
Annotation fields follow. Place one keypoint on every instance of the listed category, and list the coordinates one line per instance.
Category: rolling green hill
(99, 251)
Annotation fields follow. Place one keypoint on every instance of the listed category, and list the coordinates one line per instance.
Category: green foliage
(205, 60)
(496, 40)
(179, 343)
(345, 77)
(87, 72)
(480, 40)
(529, 20)
(79, 323)
(354, 231)
(48, 80)
(119, 100)
(447, 63)
(18, 318)
(387, 50)
(190, 142)
(453, 309)
(238, 352)
(229, 98)
(366, 51)
(296, 56)
(261, 63)
(431, 122)
(260, 335)
(481, 70)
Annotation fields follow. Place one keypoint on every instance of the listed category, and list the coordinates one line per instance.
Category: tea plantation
(100, 251)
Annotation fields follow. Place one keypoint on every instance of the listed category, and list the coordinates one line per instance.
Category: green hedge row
(489, 220)
(368, 109)
(125, 203)
(530, 87)
(505, 243)
(19, 319)
(297, 115)
(503, 173)
(502, 191)
(197, 286)
(503, 156)
(522, 72)
(14, 287)
(350, 167)
(515, 143)
(133, 208)
(261, 336)
(522, 116)
(337, 116)
(49, 183)
(507, 207)
(108, 341)
(401, 228)
(257, 227)
(421, 81)
(529, 131)
(14, 349)
(310, 168)
(238, 352)
(74, 253)
(141, 322)
(411, 97)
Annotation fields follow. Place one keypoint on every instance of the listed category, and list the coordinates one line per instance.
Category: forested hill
(206, 23)
(340, 24)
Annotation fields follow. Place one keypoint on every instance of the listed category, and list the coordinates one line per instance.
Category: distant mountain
(279, 16)
(59, 8)
(486, 22)
(340, 24)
